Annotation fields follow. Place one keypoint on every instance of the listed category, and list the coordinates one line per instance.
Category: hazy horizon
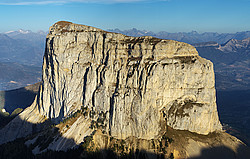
(45, 31)
(172, 16)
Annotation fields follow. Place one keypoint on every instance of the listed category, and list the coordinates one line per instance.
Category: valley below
(234, 109)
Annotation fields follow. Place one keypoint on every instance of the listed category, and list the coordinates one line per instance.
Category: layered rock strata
(140, 83)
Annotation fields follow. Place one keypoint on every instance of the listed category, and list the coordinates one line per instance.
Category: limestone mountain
(106, 90)
(144, 74)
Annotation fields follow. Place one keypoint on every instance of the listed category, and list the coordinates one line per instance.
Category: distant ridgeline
(23, 47)
(231, 62)
(188, 37)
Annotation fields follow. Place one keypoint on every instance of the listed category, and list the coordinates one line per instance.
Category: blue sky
(153, 15)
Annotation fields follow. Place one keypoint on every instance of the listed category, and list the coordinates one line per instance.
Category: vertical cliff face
(140, 84)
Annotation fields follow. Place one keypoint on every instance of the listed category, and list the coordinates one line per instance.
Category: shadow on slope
(41, 140)
(18, 98)
(41, 135)
(223, 152)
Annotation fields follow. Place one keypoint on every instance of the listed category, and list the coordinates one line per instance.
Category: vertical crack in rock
(112, 102)
(85, 77)
(103, 47)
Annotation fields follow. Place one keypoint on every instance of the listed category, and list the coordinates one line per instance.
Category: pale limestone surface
(140, 83)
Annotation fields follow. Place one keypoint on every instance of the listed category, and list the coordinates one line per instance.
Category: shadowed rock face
(141, 84)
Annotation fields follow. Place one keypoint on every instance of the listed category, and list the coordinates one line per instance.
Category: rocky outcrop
(140, 83)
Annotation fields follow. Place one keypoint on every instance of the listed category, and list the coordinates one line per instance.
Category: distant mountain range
(22, 46)
(188, 37)
(21, 56)
(231, 61)
(232, 45)
(15, 75)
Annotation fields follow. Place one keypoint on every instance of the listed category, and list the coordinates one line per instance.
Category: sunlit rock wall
(142, 84)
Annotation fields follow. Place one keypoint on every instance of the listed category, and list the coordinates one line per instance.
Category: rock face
(141, 84)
